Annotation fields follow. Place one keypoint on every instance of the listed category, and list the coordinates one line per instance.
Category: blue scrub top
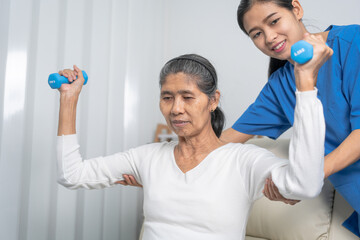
(338, 85)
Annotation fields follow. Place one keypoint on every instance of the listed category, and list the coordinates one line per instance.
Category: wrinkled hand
(76, 78)
(129, 180)
(272, 192)
(71, 75)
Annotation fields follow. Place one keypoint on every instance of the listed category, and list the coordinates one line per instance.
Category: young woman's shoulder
(346, 33)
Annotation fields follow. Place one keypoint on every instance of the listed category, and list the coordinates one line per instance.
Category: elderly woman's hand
(272, 192)
(76, 78)
(69, 95)
(306, 74)
(129, 180)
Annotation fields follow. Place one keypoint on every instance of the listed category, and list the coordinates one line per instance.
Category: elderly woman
(198, 187)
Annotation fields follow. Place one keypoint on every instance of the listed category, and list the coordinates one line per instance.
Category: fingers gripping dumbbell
(56, 80)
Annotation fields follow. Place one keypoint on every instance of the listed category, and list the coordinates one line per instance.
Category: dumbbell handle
(56, 80)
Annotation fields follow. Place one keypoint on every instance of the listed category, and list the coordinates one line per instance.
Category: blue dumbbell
(302, 52)
(55, 80)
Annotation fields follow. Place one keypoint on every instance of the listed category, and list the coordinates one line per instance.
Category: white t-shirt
(212, 200)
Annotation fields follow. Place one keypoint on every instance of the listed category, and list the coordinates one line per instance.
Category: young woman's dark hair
(206, 79)
(244, 7)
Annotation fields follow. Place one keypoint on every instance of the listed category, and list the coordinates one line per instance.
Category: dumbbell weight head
(55, 80)
(302, 52)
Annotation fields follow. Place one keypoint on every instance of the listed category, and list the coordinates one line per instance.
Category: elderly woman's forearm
(303, 177)
(67, 115)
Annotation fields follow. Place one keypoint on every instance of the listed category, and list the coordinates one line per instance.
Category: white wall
(122, 44)
(209, 28)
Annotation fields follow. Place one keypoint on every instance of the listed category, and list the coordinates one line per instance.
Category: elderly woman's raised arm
(302, 175)
(73, 171)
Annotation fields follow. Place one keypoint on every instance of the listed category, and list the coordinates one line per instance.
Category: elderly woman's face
(185, 108)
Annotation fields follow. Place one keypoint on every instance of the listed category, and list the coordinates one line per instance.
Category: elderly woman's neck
(191, 151)
(202, 143)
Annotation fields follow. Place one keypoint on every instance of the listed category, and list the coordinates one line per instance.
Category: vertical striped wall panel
(108, 39)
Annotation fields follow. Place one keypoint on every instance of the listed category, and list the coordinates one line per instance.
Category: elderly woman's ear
(214, 101)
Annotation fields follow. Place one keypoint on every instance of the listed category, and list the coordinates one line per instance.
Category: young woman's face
(274, 29)
(185, 108)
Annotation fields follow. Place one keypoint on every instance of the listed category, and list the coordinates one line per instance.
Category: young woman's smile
(279, 46)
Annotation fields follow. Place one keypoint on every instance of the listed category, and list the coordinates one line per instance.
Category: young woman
(274, 26)
(190, 191)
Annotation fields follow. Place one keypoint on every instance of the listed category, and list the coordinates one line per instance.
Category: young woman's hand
(129, 180)
(272, 193)
(76, 78)
(306, 74)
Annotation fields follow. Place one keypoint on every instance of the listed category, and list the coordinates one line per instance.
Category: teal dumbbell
(302, 52)
(55, 80)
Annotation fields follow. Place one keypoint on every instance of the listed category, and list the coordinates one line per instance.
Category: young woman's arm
(344, 155)
(348, 151)
(231, 135)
